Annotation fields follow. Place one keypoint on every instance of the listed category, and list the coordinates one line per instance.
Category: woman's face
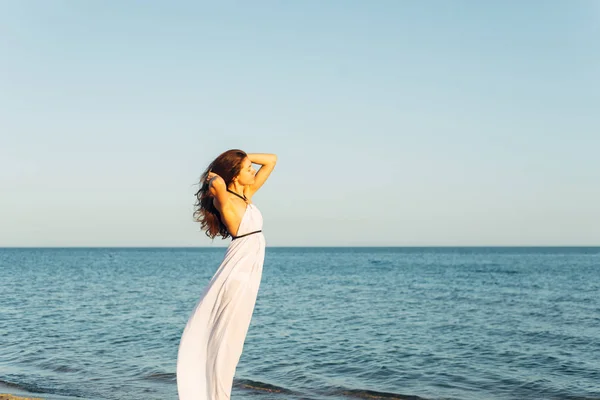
(247, 173)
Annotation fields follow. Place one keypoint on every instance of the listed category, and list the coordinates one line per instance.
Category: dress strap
(241, 197)
(245, 234)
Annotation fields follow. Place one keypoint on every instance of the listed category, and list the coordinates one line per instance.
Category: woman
(212, 342)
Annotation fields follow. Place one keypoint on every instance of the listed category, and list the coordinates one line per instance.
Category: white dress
(213, 339)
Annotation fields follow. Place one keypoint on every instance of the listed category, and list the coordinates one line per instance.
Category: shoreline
(12, 392)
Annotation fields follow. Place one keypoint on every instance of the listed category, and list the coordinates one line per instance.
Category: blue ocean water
(329, 323)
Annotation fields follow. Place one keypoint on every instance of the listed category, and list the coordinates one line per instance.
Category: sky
(395, 123)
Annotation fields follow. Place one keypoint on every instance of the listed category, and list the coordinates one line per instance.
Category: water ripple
(448, 323)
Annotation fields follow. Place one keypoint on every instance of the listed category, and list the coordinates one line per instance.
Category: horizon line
(306, 246)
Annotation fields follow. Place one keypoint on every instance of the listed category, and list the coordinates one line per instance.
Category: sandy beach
(11, 397)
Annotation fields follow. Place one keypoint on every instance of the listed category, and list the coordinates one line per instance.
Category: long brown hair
(227, 166)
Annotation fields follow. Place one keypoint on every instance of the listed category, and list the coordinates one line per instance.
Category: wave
(336, 392)
(12, 385)
(374, 395)
(161, 376)
(267, 387)
(33, 390)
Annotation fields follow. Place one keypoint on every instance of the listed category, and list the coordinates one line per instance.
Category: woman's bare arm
(217, 188)
(262, 158)
(267, 162)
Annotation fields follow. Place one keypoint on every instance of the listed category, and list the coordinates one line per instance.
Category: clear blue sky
(396, 122)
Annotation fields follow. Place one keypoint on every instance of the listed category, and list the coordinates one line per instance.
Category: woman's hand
(211, 178)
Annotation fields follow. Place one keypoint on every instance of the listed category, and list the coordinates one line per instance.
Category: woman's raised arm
(267, 162)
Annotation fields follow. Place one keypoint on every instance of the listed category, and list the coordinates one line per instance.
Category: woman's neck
(236, 187)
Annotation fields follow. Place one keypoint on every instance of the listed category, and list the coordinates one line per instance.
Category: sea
(464, 323)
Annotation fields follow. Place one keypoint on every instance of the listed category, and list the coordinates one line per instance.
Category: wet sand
(11, 397)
